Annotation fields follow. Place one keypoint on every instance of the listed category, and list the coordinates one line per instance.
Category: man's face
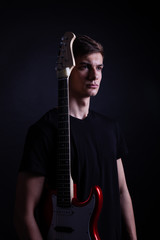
(86, 76)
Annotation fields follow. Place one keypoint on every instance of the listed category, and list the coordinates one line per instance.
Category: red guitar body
(77, 222)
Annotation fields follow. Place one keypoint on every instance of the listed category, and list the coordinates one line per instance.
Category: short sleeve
(36, 152)
(122, 149)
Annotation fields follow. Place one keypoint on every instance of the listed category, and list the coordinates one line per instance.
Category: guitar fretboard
(64, 160)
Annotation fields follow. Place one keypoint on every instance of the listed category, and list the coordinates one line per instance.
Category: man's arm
(28, 193)
(126, 203)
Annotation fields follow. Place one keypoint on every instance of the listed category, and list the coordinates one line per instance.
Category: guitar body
(77, 222)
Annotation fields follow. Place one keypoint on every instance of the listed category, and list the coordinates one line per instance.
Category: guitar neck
(64, 180)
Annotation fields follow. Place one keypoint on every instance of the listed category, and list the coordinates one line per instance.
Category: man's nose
(92, 74)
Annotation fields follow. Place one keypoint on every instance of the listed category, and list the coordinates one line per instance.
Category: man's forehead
(93, 59)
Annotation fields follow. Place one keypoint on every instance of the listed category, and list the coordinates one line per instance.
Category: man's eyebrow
(81, 63)
(101, 65)
(87, 63)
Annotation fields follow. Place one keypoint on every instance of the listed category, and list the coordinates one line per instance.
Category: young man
(97, 147)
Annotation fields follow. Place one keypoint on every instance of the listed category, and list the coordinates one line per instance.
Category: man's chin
(93, 93)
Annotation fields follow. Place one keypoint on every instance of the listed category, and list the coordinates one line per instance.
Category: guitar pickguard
(71, 223)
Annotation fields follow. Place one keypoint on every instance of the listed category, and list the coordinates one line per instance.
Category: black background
(29, 42)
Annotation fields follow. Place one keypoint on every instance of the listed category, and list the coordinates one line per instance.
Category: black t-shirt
(96, 144)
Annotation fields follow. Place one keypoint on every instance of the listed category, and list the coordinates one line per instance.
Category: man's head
(86, 76)
(84, 45)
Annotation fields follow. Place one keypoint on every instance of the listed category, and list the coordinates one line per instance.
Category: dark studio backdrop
(29, 41)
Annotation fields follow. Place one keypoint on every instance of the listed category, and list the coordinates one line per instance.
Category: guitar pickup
(64, 229)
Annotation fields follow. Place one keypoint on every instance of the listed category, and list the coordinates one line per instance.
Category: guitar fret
(63, 170)
(64, 173)
(63, 125)
(62, 117)
(64, 177)
(63, 185)
(62, 101)
(63, 139)
(63, 97)
(64, 132)
(63, 156)
(62, 82)
(61, 182)
(63, 106)
(64, 129)
(63, 151)
(63, 110)
(63, 165)
(62, 93)
(65, 195)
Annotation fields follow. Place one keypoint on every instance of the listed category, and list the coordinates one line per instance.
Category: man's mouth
(92, 85)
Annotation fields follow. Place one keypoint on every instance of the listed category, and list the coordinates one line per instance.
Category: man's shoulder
(49, 116)
(47, 122)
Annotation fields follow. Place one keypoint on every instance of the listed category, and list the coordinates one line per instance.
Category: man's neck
(79, 108)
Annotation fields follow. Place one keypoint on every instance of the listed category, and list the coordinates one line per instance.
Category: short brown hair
(84, 45)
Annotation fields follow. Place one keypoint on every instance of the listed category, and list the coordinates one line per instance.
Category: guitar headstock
(65, 59)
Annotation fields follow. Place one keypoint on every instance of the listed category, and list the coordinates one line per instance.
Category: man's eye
(100, 68)
(83, 67)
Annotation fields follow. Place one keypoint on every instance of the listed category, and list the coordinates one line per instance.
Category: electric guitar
(67, 218)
